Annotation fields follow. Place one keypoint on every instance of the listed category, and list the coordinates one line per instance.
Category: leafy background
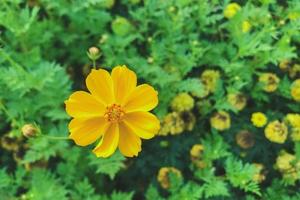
(168, 44)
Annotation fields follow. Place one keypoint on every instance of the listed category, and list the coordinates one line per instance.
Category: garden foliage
(213, 62)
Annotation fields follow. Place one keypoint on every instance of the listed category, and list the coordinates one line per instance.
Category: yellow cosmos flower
(259, 119)
(115, 110)
(196, 154)
(220, 121)
(288, 165)
(231, 10)
(295, 90)
(270, 81)
(276, 132)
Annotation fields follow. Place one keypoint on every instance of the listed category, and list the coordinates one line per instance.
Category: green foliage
(109, 166)
(169, 44)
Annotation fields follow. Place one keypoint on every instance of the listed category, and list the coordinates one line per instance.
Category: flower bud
(121, 26)
(93, 53)
(29, 130)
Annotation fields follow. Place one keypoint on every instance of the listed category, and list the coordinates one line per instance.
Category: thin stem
(94, 64)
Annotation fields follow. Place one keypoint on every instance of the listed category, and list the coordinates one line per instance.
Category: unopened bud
(29, 130)
(93, 53)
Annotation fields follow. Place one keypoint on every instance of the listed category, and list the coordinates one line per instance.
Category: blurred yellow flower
(259, 119)
(210, 79)
(293, 119)
(295, 90)
(284, 64)
(237, 100)
(231, 10)
(270, 81)
(177, 122)
(115, 110)
(295, 134)
(182, 102)
(220, 121)
(287, 164)
(259, 176)
(276, 132)
(172, 123)
(196, 154)
(246, 26)
(294, 15)
(163, 176)
(196, 151)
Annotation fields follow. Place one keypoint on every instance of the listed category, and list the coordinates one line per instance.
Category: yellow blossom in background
(259, 119)
(293, 119)
(182, 102)
(116, 110)
(270, 81)
(276, 132)
(210, 79)
(172, 123)
(294, 70)
(245, 139)
(220, 121)
(175, 123)
(196, 154)
(163, 176)
(196, 151)
(287, 164)
(295, 134)
(189, 120)
(246, 26)
(259, 176)
(231, 10)
(238, 101)
(295, 90)
(284, 64)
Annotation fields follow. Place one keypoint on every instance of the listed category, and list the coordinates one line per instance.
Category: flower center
(114, 113)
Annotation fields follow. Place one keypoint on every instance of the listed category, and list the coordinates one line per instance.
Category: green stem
(94, 64)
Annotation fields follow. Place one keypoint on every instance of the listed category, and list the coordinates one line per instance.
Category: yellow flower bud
(29, 130)
(93, 53)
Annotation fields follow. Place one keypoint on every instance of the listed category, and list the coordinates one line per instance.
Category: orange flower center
(114, 113)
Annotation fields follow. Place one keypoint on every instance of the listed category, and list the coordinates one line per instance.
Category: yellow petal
(109, 142)
(82, 104)
(87, 131)
(99, 83)
(124, 82)
(143, 124)
(143, 98)
(129, 143)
